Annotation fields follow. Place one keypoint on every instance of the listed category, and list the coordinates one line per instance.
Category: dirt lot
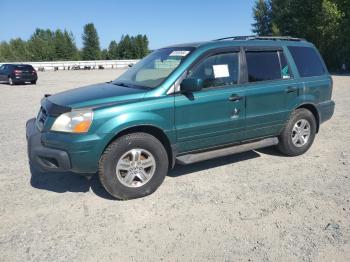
(256, 206)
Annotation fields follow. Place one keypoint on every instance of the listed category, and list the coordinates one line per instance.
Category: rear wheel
(299, 133)
(33, 82)
(133, 166)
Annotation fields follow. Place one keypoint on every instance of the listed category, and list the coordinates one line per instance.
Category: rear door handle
(291, 89)
(234, 98)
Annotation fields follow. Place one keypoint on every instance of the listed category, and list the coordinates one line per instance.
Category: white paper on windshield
(221, 71)
(179, 53)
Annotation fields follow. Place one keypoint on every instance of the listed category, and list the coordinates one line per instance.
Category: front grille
(41, 118)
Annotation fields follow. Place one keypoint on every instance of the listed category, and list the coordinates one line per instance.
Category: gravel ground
(255, 206)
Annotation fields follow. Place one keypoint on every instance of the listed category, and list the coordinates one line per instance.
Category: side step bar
(197, 157)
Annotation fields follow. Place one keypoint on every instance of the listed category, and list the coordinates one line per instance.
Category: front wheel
(11, 83)
(299, 133)
(133, 166)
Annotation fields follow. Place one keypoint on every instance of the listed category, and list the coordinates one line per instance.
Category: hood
(96, 95)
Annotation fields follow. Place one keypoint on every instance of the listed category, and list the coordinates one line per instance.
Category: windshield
(154, 68)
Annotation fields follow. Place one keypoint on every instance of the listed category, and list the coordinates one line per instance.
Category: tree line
(59, 45)
(322, 22)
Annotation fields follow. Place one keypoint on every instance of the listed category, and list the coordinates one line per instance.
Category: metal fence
(78, 65)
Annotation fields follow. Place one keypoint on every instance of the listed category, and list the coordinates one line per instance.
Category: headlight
(74, 122)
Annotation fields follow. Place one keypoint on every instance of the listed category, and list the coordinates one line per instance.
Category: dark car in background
(18, 73)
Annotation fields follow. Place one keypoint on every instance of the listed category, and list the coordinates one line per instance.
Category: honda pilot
(184, 104)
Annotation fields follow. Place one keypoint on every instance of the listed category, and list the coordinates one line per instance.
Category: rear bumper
(326, 110)
(29, 78)
(47, 159)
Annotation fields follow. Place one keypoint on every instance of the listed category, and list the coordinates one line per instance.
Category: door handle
(234, 98)
(291, 89)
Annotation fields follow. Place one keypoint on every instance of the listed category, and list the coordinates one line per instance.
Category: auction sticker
(221, 71)
(179, 53)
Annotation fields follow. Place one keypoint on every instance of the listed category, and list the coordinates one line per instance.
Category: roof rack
(242, 37)
(283, 38)
(255, 37)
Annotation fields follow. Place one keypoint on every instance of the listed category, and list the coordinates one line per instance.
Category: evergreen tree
(317, 21)
(113, 50)
(91, 43)
(343, 35)
(104, 54)
(133, 48)
(71, 48)
(18, 50)
(129, 47)
(60, 47)
(322, 22)
(125, 47)
(5, 52)
(138, 44)
(145, 43)
(262, 17)
(40, 45)
(47, 45)
(2, 51)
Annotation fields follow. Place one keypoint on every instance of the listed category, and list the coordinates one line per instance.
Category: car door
(269, 87)
(214, 115)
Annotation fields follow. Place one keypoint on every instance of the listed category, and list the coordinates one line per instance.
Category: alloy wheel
(301, 132)
(135, 168)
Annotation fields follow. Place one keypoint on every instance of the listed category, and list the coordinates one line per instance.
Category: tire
(121, 153)
(33, 82)
(11, 83)
(293, 140)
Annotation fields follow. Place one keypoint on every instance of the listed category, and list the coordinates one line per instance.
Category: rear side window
(307, 61)
(263, 66)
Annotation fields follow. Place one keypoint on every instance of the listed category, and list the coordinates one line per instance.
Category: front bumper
(47, 159)
(57, 152)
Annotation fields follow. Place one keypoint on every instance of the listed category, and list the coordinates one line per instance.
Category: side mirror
(189, 85)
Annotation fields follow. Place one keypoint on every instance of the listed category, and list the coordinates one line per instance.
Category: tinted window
(263, 66)
(307, 61)
(217, 70)
(24, 67)
(7, 68)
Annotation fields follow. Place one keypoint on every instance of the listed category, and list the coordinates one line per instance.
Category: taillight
(33, 72)
(17, 72)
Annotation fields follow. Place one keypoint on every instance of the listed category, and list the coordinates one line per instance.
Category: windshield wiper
(129, 85)
(121, 84)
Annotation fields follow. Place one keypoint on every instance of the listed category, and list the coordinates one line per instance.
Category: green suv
(183, 104)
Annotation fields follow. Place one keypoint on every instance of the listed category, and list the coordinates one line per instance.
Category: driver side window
(217, 70)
